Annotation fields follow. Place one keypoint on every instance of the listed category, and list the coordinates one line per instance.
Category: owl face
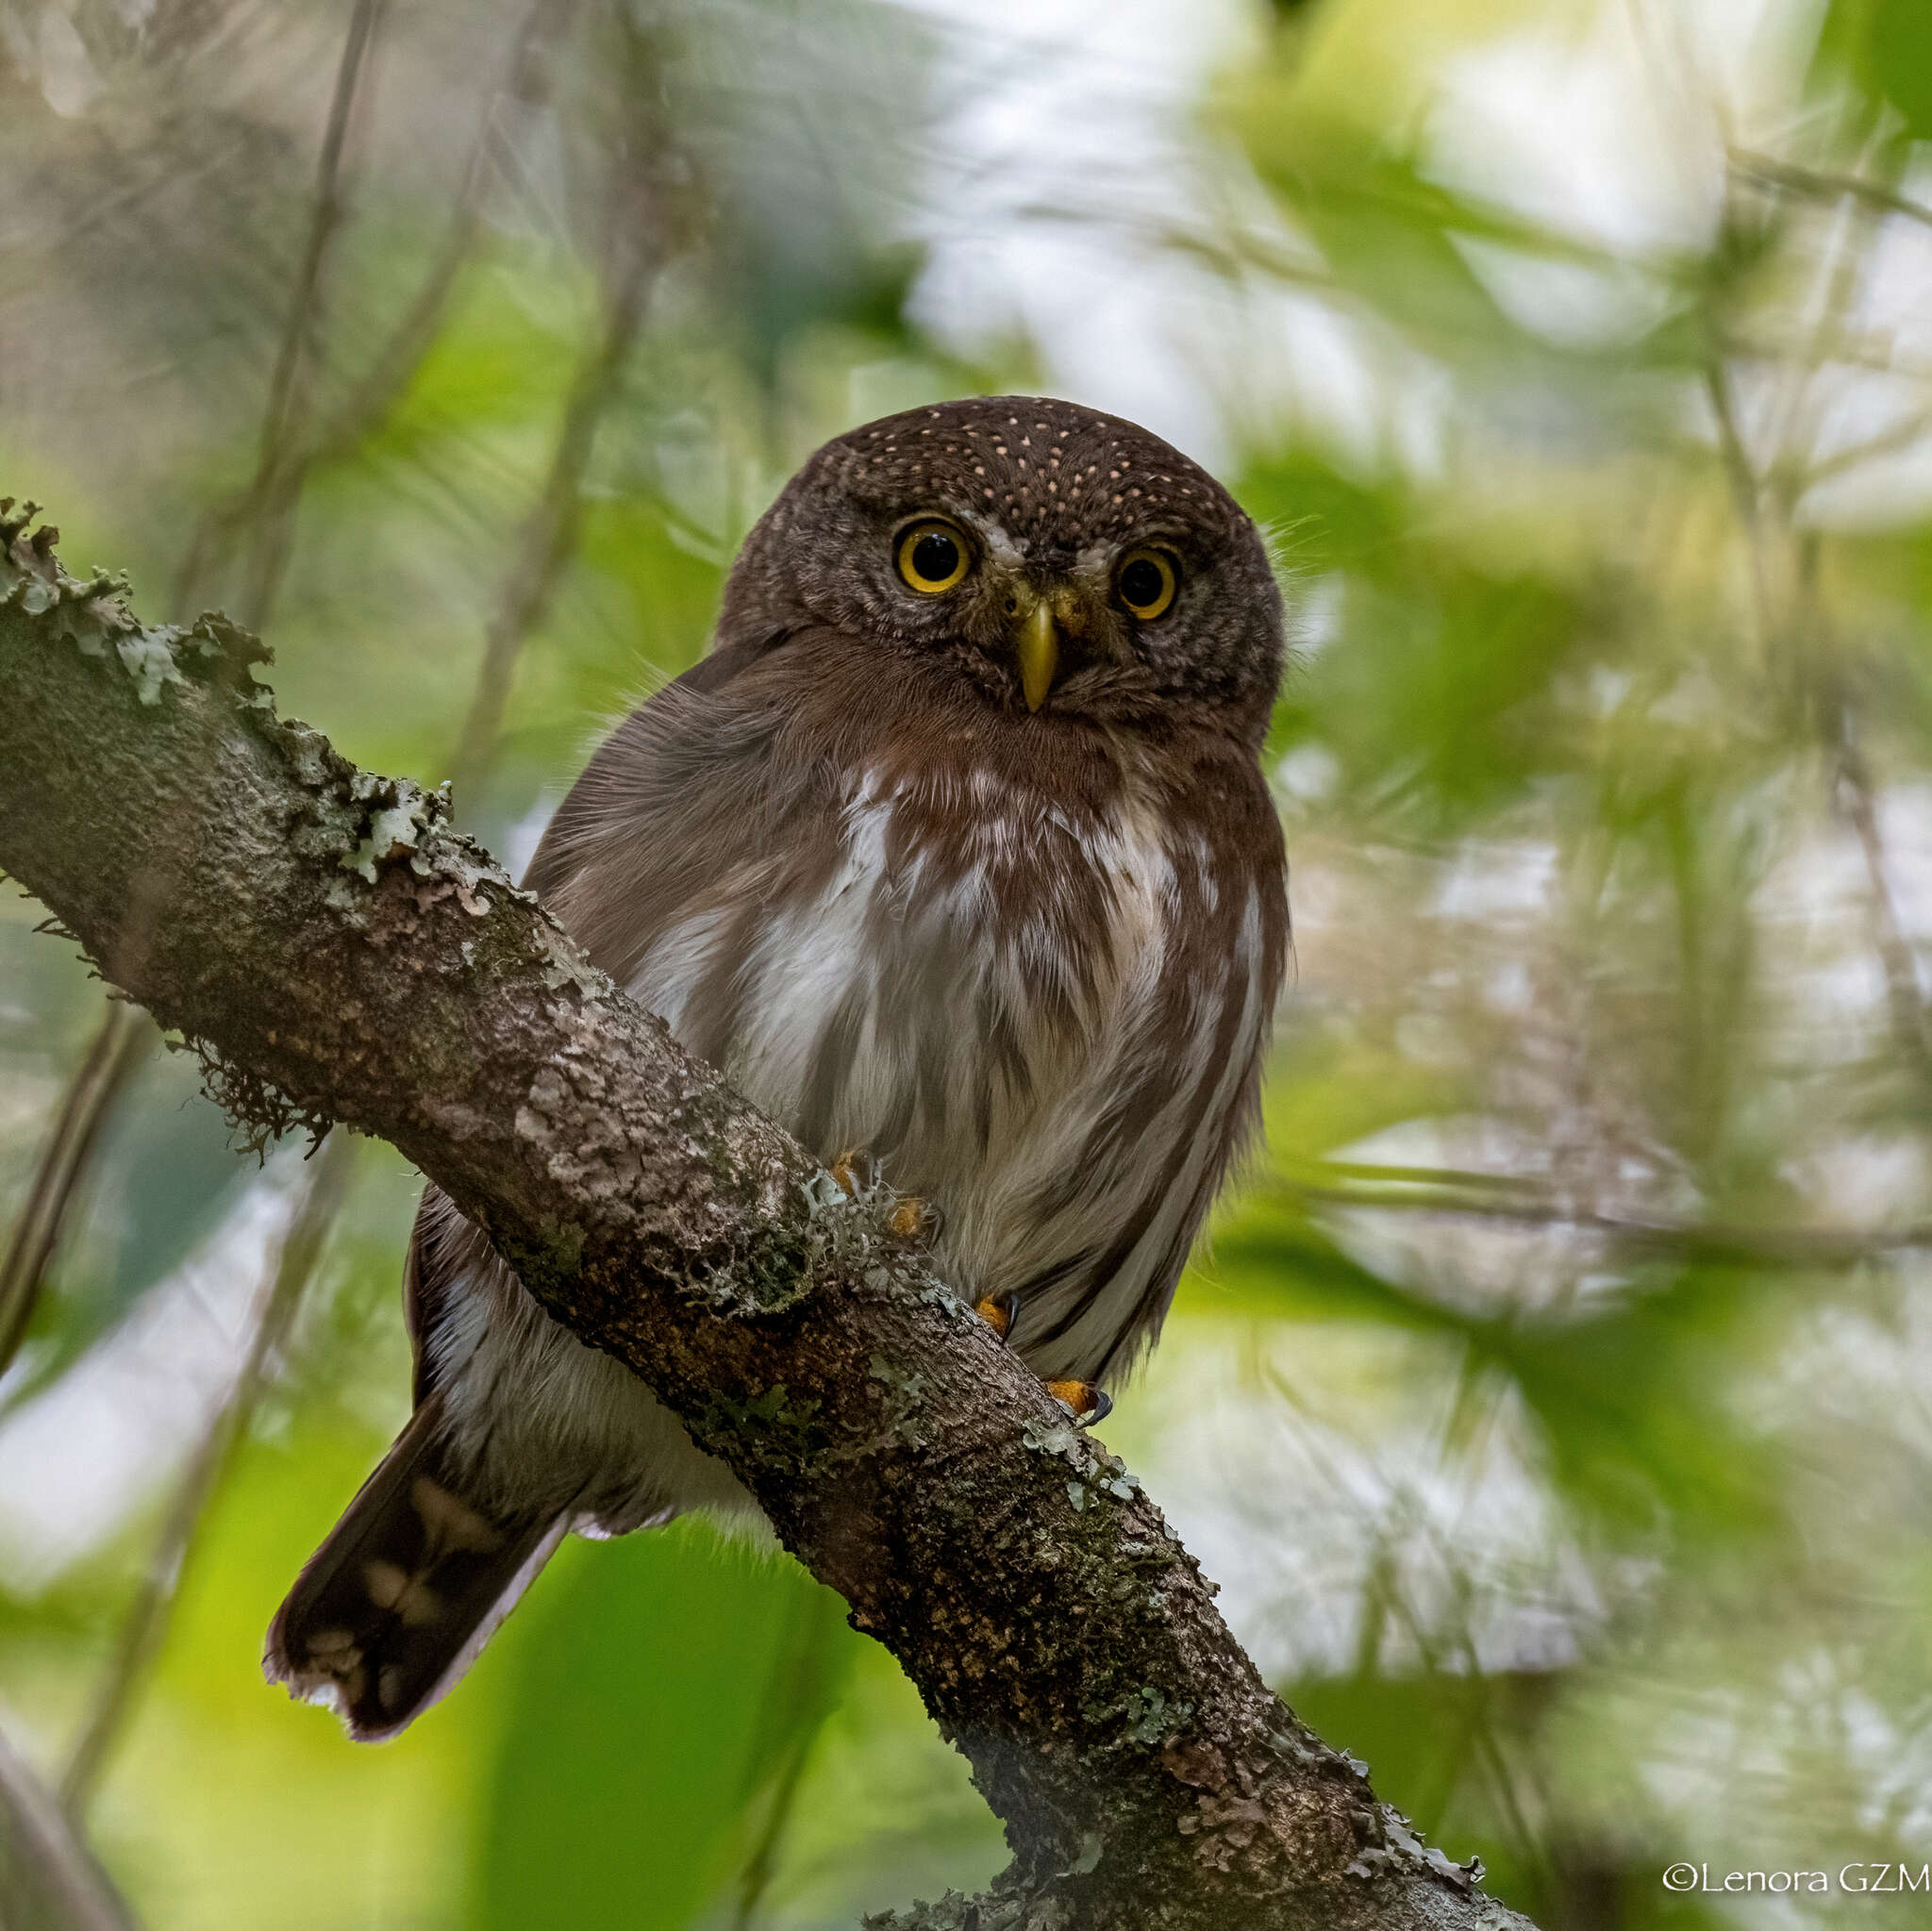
(1064, 563)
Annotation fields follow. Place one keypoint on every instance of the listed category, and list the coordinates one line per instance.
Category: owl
(954, 854)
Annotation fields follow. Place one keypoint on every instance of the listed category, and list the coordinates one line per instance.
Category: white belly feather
(944, 958)
(520, 1386)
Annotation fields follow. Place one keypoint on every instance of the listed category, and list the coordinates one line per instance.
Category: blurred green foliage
(743, 1653)
(1887, 48)
(1551, 1400)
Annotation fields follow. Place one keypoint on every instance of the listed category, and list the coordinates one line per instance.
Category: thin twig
(1746, 494)
(641, 241)
(47, 1876)
(1875, 349)
(1820, 186)
(373, 397)
(1449, 1197)
(288, 398)
(1853, 793)
(545, 542)
(799, 1697)
(123, 1035)
(1902, 435)
(287, 393)
(1839, 267)
(142, 1634)
(118, 1048)
(1856, 798)
(285, 398)
(756, 1878)
(395, 364)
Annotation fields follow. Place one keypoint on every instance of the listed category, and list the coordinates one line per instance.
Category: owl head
(1067, 564)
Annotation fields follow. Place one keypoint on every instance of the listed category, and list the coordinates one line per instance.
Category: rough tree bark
(338, 953)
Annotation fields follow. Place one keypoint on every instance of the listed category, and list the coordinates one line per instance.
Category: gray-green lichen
(92, 613)
(1097, 1472)
(757, 1418)
(399, 817)
(846, 1233)
(904, 1382)
(906, 1393)
(1058, 1438)
(1012, 1911)
(1403, 1849)
(1143, 1715)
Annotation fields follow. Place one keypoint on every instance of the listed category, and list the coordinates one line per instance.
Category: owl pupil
(1141, 583)
(935, 556)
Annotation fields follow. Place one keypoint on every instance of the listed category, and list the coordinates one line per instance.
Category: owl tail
(409, 1586)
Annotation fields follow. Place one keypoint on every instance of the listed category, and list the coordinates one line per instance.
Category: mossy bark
(338, 953)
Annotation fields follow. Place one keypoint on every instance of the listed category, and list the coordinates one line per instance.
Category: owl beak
(1038, 643)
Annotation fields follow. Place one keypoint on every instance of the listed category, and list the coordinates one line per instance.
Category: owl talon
(856, 1171)
(915, 1220)
(1001, 1312)
(1087, 1403)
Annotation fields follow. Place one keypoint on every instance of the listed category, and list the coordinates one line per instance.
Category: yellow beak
(1037, 644)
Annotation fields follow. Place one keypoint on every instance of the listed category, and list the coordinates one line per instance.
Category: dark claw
(915, 1221)
(1001, 1312)
(856, 1171)
(1082, 1400)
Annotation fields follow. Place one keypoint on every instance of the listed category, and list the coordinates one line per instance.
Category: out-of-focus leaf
(1319, 519)
(1413, 248)
(1440, 701)
(1623, 1398)
(657, 1682)
(1620, 1388)
(1886, 46)
(175, 1163)
(885, 1810)
(1329, 1093)
(419, 517)
(800, 133)
(1279, 1253)
(636, 610)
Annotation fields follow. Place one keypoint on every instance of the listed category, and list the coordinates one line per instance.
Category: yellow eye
(1145, 583)
(932, 557)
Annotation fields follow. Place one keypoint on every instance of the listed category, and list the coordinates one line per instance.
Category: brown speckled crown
(1045, 468)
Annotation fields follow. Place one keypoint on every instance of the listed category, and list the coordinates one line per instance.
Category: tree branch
(339, 953)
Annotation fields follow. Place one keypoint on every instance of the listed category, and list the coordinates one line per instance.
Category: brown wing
(657, 812)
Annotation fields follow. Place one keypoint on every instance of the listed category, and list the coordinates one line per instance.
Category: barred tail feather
(400, 1599)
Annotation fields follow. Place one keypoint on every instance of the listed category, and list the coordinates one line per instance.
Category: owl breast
(1040, 1016)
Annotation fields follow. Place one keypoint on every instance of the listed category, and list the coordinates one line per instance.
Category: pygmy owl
(954, 849)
